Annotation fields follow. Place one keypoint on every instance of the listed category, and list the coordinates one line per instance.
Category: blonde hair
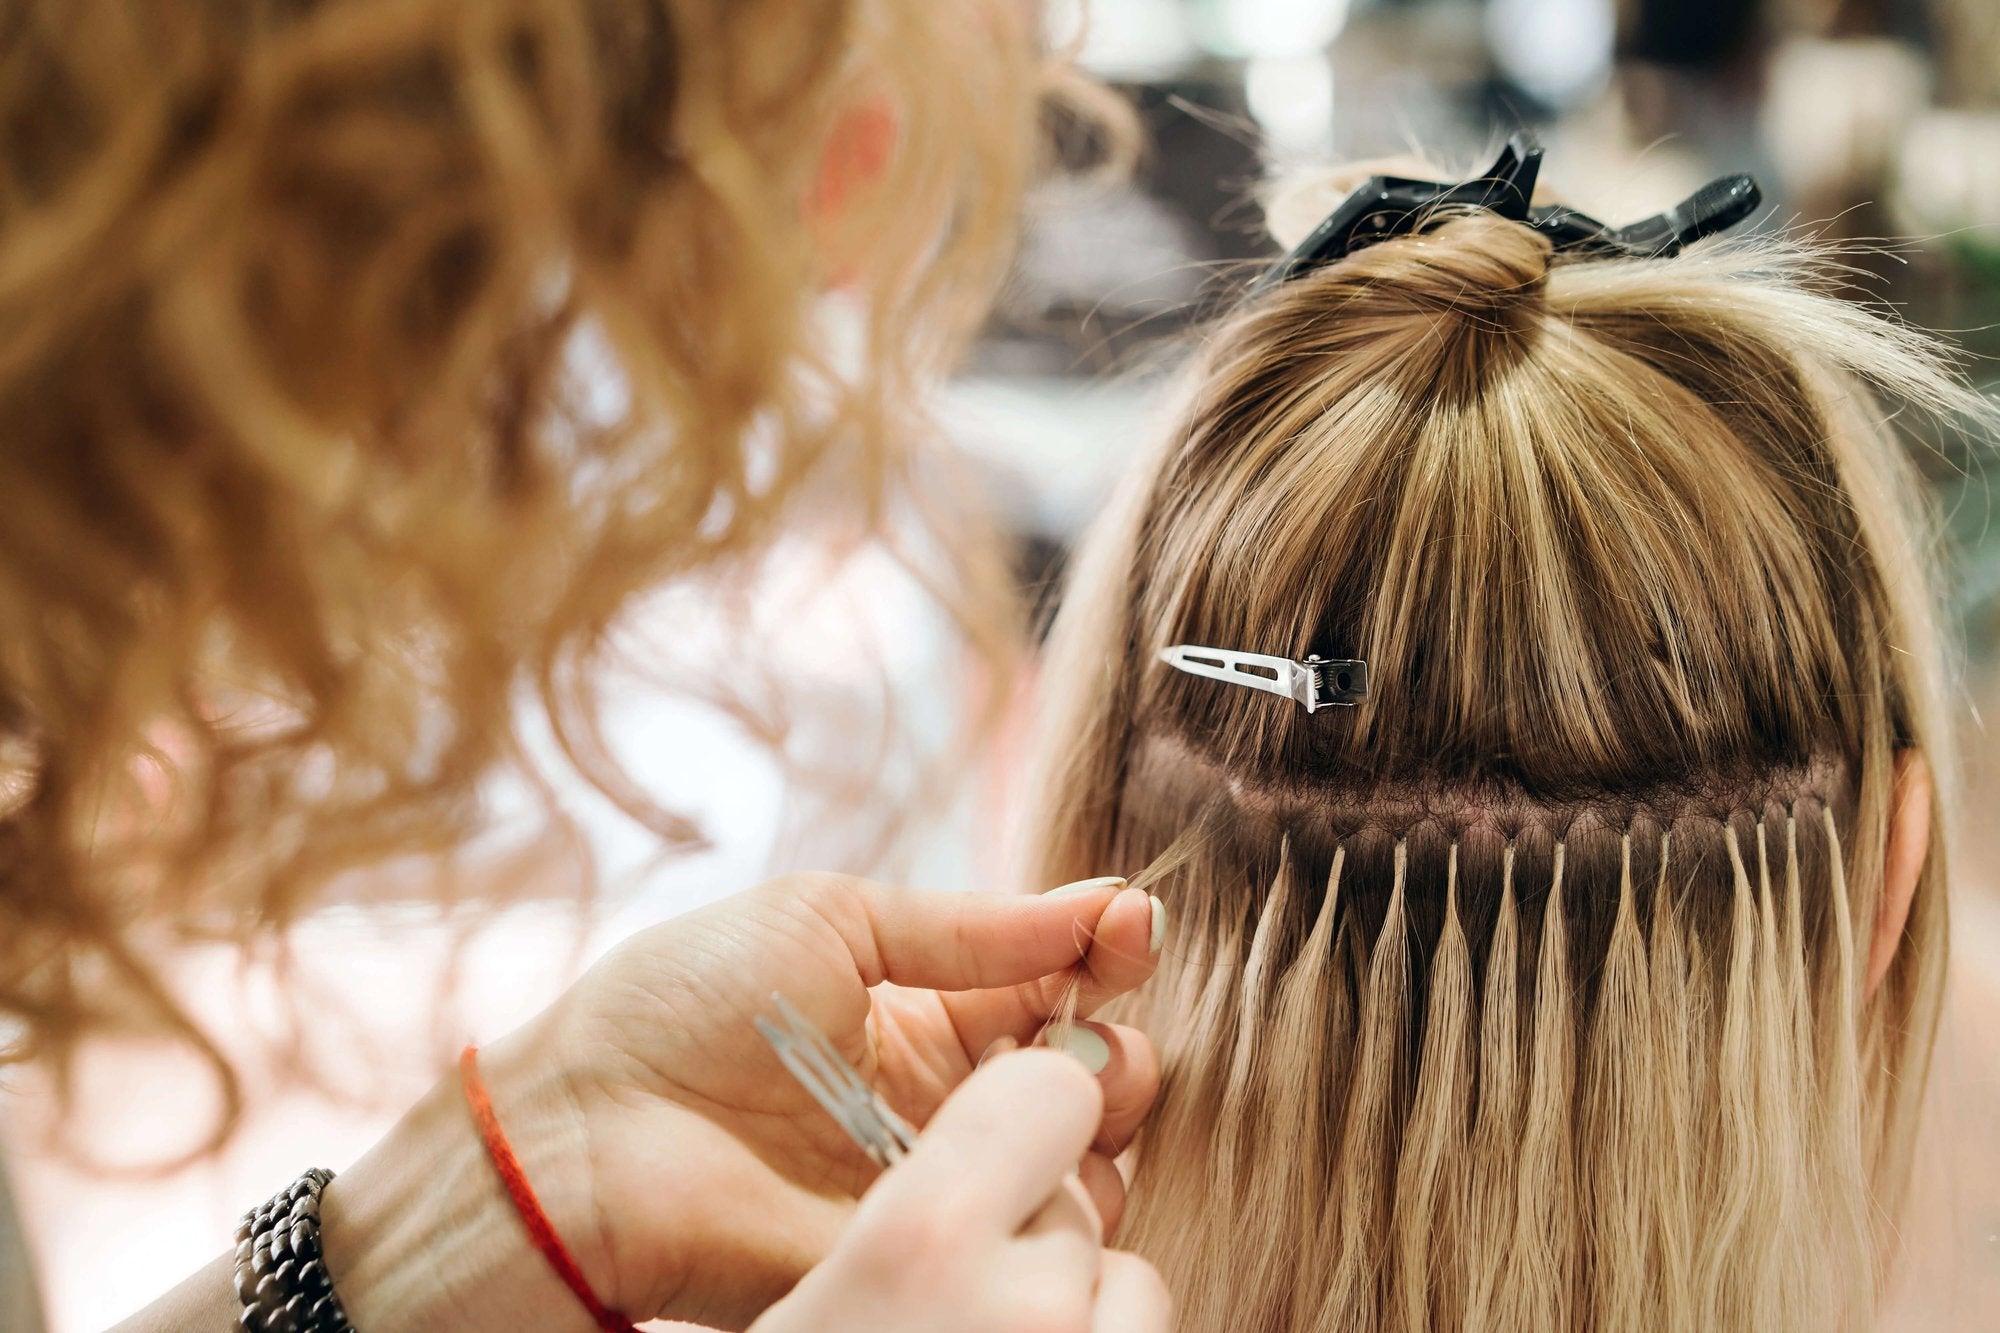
(359, 359)
(1528, 994)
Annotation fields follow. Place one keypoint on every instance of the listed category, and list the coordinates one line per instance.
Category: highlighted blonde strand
(1618, 1123)
(1431, 1199)
(1498, 1115)
(1842, 1118)
(1537, 1286)
(1675, 1109)
(1734, 1146)
(1368, 1146)
(1311, 1015)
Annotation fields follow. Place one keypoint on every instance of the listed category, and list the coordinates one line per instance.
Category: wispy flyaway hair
(1529, 994)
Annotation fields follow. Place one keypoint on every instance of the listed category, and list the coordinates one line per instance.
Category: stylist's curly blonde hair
(308, 310)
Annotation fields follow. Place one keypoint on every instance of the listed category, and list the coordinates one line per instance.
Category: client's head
(1585, 974)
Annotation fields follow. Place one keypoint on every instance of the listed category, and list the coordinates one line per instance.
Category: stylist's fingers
(1069, 1212)
(957, 941)
(1099, 1177)
(1000, 1145)
(1128, 1069)
(1115, 955)
(1131, 1298)
(1056, 1256)
(1122, 954)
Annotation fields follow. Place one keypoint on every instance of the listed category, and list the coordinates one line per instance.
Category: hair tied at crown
(1478, 265)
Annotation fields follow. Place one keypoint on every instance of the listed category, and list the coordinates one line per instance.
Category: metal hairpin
(856, 1107)
(1314, 681)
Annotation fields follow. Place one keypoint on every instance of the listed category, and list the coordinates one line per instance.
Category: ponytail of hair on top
(1523, 996)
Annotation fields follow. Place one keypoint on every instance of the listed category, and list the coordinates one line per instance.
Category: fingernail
(1159, 924)
(998, 1046)
(1086, 885)
(1090, 1049)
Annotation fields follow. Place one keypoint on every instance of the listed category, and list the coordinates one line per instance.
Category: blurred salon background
(1872, 122)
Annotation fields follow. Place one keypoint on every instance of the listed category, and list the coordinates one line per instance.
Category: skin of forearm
(419, 1233)
(205, 1302)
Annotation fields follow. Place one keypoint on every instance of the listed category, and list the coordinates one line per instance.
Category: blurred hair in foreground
(1529, 994)
(308, 486)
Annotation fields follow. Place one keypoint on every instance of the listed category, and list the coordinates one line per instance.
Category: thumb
(959, 941)
(999, 1147)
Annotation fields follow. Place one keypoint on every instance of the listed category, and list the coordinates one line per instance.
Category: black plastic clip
(1389, 206)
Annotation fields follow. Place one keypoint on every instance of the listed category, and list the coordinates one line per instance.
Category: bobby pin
(883, 1135)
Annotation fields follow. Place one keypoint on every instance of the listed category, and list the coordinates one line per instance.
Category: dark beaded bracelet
(281, 1277)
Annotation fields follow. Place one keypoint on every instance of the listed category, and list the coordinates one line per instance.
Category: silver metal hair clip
(1315, 682)
(856, 1107)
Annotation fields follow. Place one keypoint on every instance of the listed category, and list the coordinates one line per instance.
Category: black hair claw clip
(1387, 206)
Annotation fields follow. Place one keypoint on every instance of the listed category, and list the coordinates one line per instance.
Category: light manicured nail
(1159, 924)
(1086, 885)
(1087, 1046)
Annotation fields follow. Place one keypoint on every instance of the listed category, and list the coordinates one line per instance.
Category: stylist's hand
(685, 1169)
(981, 1229)
(717, 1179)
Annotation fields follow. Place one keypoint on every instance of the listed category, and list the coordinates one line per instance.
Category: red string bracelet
(540, 1230)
